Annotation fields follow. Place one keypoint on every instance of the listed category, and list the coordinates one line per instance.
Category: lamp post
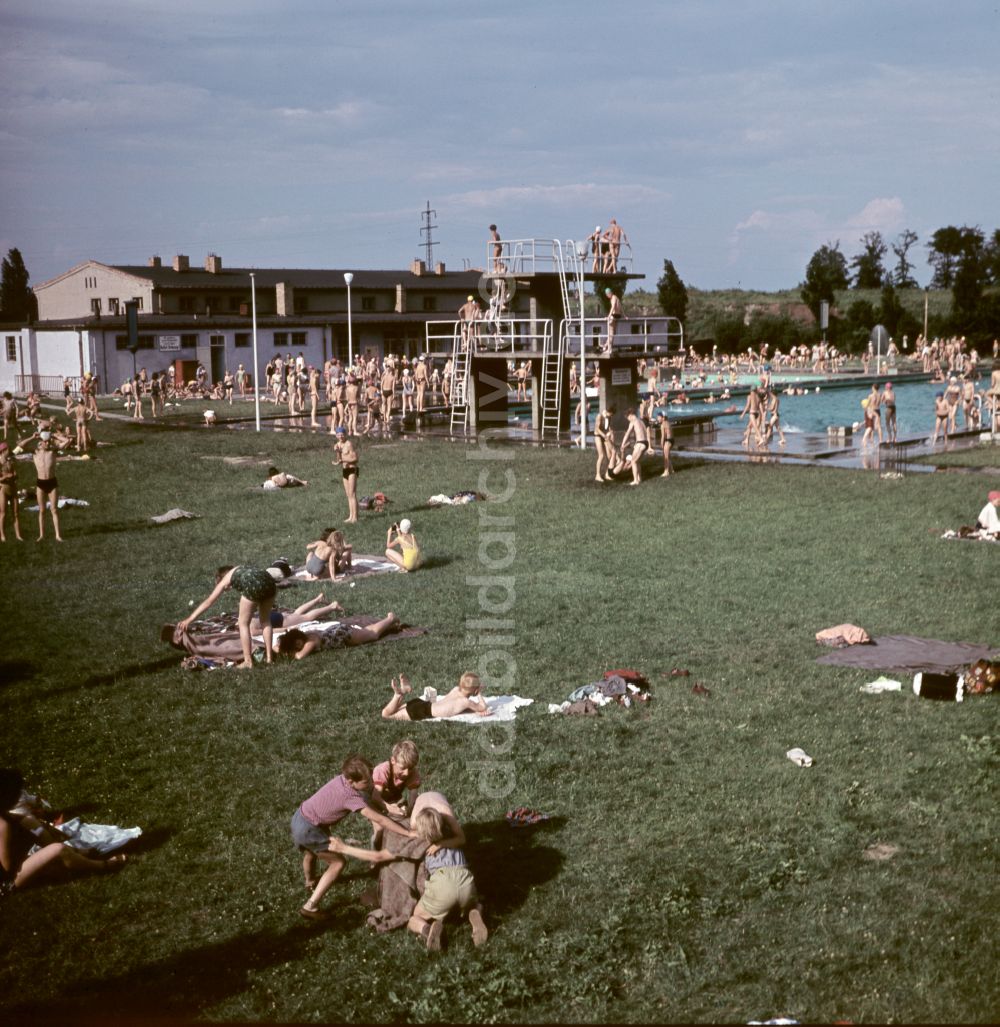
(927, 290)
(348, 278)
(256, 370)
(581, 253)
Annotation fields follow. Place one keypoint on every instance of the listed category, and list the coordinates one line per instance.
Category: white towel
(504, 707)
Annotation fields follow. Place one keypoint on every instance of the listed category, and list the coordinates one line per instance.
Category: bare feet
(245, 665)
(479, 932)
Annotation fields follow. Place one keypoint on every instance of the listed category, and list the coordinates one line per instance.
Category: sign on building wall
(168, 343)
(621, 376)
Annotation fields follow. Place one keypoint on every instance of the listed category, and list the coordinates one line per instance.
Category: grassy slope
(692, 872)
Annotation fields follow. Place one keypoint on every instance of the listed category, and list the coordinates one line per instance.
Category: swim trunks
(47, 484)
(254, 583)
(350, 469)
(419, 709)
(337, 636)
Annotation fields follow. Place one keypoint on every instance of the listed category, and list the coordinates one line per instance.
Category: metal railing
(510, 335)
(44, 383)
(645, 335)
(531, 256)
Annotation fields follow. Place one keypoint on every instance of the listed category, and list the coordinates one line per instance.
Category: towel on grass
(177, 514)
(361, 567)
(907, 654)
(504, 707)
(63, 501)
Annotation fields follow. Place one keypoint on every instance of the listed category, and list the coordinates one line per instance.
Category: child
(465, 697)
(401, 536)
(46, 486)
(347, 793)
(450, 884)
(8, 492)
(396, 776)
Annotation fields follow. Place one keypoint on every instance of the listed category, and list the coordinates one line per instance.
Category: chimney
(284, 295)
(155, 262)
(400, 298)
(181, 263)
(439, 268)
(417, 267)
(213, 263)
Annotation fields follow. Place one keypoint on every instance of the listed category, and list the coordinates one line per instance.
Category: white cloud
(557, 195)
(883, 214)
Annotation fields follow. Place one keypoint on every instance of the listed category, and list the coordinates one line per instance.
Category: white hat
(405, 526)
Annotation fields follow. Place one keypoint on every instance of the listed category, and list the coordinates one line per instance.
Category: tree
(869, 272)
(672, 292)
(17, 301)
(945, 247)
(969, 276)
(993, 258)
(902, 275)
(825, 273)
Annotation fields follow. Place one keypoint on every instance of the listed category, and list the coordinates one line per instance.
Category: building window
(241, 340)
(217, 340)
(95, 306)
(430, 303)
(280, 339)
(189, 340)
(186, 304)
(113, 306)
(12, 347)
(137, 300)
(298, 338)
(368, 303)
(145, 342)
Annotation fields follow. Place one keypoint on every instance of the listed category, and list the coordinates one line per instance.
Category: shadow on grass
(12, 671)
(509, 862)
(179, 986)
(133, 670)
(112, 527)
(150, 839)
(435, 561)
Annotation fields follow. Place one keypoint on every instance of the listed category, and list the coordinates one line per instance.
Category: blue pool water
(814, 412)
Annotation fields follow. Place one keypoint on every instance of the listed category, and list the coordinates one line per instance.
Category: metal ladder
(459, 397)
(552, 380)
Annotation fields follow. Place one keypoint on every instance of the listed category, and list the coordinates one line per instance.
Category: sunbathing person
(401, 536)
(281, 480)
(465, 697)
(300, 644)
(326, 556)
(312, 609)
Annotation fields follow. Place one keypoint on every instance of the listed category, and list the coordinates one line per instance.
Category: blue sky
(732, 136)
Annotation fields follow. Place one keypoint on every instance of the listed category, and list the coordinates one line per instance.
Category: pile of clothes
(622, 687)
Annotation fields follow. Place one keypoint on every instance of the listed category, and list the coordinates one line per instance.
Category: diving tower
(549, 332)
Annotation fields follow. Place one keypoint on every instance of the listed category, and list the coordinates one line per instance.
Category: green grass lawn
(984, 456)
(690, 871)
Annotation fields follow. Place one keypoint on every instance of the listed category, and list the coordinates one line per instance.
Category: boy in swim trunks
(465, 697)
(46, 487)
(8, 492)
(347, 457)
(666, 442)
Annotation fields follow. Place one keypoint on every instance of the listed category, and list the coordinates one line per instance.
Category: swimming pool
(816, 411)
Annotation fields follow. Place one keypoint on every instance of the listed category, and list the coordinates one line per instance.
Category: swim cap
(340, 431)
(45, 435)
(469, 299)
(993, 497)
(405, 525)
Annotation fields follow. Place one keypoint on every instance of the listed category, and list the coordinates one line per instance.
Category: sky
(733, 137)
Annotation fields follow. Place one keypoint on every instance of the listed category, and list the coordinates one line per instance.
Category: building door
(218, 350)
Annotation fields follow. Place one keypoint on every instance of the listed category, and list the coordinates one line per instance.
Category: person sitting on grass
(450, 884)
(401, 536)
(327, 556)
(465, 697)
(300, 644)
(257, 591)
(349, 792)
(988, 520)
(19, 869)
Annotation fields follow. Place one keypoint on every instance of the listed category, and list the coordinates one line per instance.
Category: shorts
(307, 836)
(349, 470)
(446, 889)
(419, 709)
(337, 636)
(254, 584)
